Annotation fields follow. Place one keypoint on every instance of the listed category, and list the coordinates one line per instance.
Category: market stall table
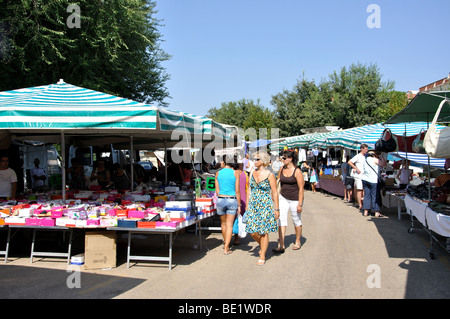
(46, 253)
(393, 198)
(432, 221)
(160, 231)
(331, 185)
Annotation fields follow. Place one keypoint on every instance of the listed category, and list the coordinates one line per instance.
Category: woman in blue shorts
(228, 197)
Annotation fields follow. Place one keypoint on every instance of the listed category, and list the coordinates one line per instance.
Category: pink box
(93, 222)
(33, 221)
(173, 224)
(136, 214)
(47, 222)
(57, 213)
(112, 212)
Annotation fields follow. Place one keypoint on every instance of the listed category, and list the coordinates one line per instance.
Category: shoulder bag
(386, 145)
(437, 143)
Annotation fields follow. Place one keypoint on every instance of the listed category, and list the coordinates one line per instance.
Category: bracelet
(277, 209)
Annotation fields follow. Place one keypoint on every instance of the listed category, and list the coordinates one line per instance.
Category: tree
(245, 114)
(358, 92)
(116, 48)
(397, 102)
(307, 105)
(353, 96)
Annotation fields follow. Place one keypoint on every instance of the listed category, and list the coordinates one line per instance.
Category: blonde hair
(263, 156)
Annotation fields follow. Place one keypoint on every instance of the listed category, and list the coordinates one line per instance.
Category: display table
(43, 228)
(333, 186)
(392, 199)
(159, 231)
(417, 209)
(432, 221)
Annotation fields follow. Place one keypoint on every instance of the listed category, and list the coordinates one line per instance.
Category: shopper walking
(372, 191)
(228, 199)
(291, 197)
(263, 209)
(313, 179)
(357, 163)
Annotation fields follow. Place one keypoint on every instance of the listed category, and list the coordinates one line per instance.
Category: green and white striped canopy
(68, 107)
(41, 113)
(369, 134)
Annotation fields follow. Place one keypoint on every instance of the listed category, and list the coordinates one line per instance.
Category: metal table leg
(128, 249)
(51, 254)
(5, 252)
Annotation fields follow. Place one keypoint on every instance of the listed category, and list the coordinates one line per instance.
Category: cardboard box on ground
(100, 250)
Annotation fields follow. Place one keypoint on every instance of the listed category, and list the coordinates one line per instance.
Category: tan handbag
(437, 142)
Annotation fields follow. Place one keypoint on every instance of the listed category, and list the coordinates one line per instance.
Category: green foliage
(245, 114)
(115, 50)
(352, 97)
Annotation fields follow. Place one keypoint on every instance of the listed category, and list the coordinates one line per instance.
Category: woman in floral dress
(262, 199)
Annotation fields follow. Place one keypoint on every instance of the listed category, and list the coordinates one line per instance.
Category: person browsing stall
(8, 180)
(357, 163)
(228, 199)
(290, 199)
(370, 176)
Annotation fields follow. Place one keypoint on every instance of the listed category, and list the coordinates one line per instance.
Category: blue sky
(228, 50)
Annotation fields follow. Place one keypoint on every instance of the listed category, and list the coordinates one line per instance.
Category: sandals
(261, 262)
(379, 215)
(296, 247)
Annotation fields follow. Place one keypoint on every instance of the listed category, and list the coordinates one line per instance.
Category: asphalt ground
(344, 255)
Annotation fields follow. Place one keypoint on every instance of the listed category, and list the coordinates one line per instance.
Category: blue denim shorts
(226, 206)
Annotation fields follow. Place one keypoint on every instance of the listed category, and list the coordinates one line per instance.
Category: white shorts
(358, 184)
(287, 205)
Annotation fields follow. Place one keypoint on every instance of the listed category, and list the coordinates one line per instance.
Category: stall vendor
(404, 174)
(8, 180)
(38, 176)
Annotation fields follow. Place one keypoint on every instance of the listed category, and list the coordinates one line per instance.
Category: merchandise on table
(89, 209)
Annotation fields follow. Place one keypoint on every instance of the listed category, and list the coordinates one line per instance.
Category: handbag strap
(438, 112)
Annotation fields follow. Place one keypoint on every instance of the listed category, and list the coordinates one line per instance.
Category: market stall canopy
(421, 159)
(423, 107)
(88, 117)
(321, 140)
(302, 140)
(369, 134)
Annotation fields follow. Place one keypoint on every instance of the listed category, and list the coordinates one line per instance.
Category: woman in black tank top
(291, 199)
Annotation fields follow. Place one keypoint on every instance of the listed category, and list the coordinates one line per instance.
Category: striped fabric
(369, 134)
(421, 159)
(63, 106)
